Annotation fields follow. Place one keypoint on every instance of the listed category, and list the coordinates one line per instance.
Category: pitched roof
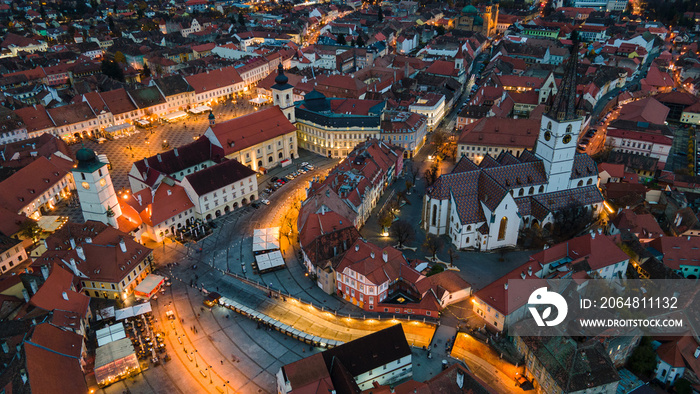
(647, 110)
(32, 181)
(600, 251)
(678, 251)
(643, 224)
(214, 79)
(178, 159)
(56, 294)
(493, 131)
(218, 176)
(249, 130)
(52, 372)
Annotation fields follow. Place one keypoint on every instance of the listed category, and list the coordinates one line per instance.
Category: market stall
(269, 261)
(115, 361)
(149, 286)
(266, 239)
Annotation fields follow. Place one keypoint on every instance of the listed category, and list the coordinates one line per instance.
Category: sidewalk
(486, 364)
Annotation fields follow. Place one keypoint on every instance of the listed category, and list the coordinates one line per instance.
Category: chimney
(160, 160)
(505, 285)
(72, 243)
(175, 150)
(357, 248)
(5, 348)
(45, 271)
(696, 354)
(65, 296)
(592, 234)
(34, 287)
(600, 231)
(522, 275)
(122, 244)
(385, 256)
(529, 271)
(371, 254)
(81, 252)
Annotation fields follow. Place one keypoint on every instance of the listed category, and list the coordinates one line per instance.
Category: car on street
(310, 167)
(266, 202)
(255, 205)
(303, 171)
(290, 177)
(304, 164)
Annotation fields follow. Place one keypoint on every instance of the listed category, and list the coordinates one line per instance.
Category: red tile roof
(51, 372)
(643, 224)
(249, 130)
(498, 297)
(66, 343)
(30, 182)
(71, 113)
(168, 201)
(680, 353)
(640, 136)
(35, 118)
(214, 79)
(600, 252)
(647, 110)
(50, 295)
(520, 133)
(678, 251)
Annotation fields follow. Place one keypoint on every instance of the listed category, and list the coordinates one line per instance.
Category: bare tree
(452, 254)
(395, 204)
(432, 245)
(414, 173)
(402, 231)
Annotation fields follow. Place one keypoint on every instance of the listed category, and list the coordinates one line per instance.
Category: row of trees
(341, 40)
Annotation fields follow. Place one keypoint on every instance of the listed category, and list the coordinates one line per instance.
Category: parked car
(266, 202)
(310, 167)
(255, 205)
(303, 171)
(304, 164)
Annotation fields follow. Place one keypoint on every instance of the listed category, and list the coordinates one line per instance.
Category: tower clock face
(567, 138)
(547, 135)
(86, 186)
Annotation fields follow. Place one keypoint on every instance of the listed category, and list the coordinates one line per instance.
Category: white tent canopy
(200, 109)
(269, 261)
(174, 116)
(266, 239)
(111, 333)
(132, 311)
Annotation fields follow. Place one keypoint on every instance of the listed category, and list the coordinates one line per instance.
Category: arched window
(280, 155)
(434, 220)
(568, 129)
(502, 229)
(521, 192)
(278, 97)
(549, 126)
(531, 191)
(590, 181)
(580, 183)
(269, 159)
(259, 163)
(469, 228)
(541, 189)
(287, 97)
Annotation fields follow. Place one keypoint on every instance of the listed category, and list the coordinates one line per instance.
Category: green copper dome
(478, 21)
(470, 9)
(85, 155)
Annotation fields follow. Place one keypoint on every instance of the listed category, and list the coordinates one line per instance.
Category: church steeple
(283, 94)
(564, 105)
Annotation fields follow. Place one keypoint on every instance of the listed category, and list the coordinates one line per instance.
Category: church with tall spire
(483, 206)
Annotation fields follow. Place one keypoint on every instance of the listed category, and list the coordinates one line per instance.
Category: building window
(502, 229)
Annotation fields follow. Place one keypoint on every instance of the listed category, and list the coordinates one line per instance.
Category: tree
(413, 172)
(570, 221)
(643, 359)
(452, 255)
(435, 269)
(409, 185)
(341, 39)
(385, 219)
(112, 69)
(119, 57)
(29, 229)
(432, 245)
(431, 175)
(402, 231)
(360, 42)
(146, 72)
(380, 15)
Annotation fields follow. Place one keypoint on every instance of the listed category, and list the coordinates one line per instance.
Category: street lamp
(194, 354)
(210, 371)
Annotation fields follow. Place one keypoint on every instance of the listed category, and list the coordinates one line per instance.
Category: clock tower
(560, 128)
(98, 200)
